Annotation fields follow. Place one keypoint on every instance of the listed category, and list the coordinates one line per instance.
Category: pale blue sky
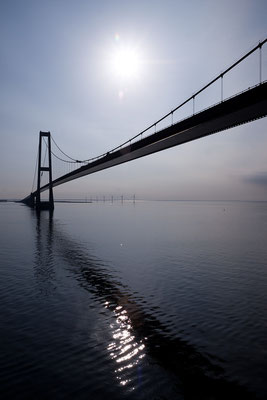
(55, 75)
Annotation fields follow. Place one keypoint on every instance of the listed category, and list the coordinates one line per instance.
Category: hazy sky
(58, 72)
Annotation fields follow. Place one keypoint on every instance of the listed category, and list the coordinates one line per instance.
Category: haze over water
(158, 300)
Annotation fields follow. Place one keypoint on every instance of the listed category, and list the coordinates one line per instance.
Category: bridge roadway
(239, 109)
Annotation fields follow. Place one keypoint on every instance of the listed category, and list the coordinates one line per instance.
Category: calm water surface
(152, 300)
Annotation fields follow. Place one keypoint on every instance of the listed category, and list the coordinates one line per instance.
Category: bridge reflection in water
(139, 340)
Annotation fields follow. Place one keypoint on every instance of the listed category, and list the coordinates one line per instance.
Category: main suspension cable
(61, 159)
(73, 159)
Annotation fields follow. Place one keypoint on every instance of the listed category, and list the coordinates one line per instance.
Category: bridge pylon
(42, 168)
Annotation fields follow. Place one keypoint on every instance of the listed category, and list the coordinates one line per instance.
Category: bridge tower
(50, 203)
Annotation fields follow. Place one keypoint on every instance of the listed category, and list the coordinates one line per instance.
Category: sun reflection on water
(125, 349)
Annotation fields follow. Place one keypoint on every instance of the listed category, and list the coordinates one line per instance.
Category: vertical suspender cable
(34, 177)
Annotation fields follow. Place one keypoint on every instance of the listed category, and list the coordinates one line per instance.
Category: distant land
(128, 199)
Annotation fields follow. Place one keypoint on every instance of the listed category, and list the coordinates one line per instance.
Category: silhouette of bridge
(241, 108)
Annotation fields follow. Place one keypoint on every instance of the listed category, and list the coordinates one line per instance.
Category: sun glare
(126, 63)
(125, 66)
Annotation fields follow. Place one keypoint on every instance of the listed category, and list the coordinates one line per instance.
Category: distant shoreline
(80, 201)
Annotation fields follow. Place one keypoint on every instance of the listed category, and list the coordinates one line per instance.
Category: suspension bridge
(241, 108)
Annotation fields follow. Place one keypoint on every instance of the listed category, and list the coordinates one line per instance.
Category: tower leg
(50, 203)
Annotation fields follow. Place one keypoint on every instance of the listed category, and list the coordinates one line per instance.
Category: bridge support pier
(48, 205)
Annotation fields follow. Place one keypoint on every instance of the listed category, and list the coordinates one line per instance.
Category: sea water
(143, 300)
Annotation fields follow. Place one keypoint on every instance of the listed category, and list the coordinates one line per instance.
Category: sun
(126, 63)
